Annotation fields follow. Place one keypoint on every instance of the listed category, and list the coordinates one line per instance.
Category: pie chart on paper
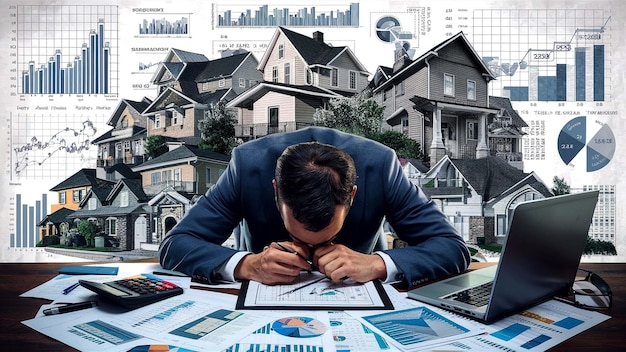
(299, 327)
(574, 139)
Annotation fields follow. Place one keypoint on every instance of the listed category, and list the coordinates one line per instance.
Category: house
(119, 211)
(73, 190)
(440, 99)
(123, 144)
(56, 223)
(478, 195)
(300, 74)
(189, 84)
(174, 180)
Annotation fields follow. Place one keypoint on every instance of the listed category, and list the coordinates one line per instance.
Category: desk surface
(17, 278)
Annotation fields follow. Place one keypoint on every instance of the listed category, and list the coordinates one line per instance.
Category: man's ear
(352, 194)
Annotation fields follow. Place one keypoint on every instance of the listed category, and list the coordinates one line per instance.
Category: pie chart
(574, 140)
(299, 327)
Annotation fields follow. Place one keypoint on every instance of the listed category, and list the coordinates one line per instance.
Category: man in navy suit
(324, 195)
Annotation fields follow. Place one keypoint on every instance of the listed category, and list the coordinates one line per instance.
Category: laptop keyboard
(477, 296)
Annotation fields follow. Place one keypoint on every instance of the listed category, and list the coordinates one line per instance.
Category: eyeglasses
(590, 292)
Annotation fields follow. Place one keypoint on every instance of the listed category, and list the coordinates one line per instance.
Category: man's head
(315, 185)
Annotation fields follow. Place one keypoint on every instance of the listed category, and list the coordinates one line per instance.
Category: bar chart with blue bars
(23, 226)
(67, 49)
(337, 15)
(546, 54)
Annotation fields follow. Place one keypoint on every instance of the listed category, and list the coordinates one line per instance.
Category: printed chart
(573, 140)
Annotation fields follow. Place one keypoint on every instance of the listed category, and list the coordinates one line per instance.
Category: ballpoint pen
(303, 286)
(69, 308)
(70, 289)
(287, 249)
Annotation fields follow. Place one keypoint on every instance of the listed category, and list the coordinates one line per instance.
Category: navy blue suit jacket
(245, 192)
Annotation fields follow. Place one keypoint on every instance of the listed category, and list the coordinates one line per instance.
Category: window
(242, 82)
(448, 84)
(124, 123)
(208, 176)
(309, 77)
(76, 195)
(352, 80)
(472, 130)
(333, 77)
(222, 83)
(110, 226)
(501, 225)
(471, 90)
(177, 174)
(281, 51)
(166, 175)
(157, 121)
(275, 74)
(155, 178)
(272, 123)
(205, 86)
(176, 118)
(123, 198)
(287, 73)
(139, 147)
(61, 197)
(92, 204)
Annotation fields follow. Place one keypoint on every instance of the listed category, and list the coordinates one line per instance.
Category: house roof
(107, 210)
(433, 52)
(182, 154)
(247, 98)
(134, 107)
(312, 51)
(505, 103)
(82, 178)
(108, 136)
(122, 169)
(57, 217)
(489, 176)
(222, 67)
(133, 185)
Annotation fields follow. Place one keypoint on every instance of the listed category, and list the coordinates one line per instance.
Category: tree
(88, 230)
(404, 146)
(599, 247)
(560, 186)
(358, 114)
(155, 146)
(217, 129)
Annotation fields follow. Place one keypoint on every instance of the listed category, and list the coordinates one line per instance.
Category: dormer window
(222, 83)
(281, 51)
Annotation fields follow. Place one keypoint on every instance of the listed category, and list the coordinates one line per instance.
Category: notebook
(539, 259)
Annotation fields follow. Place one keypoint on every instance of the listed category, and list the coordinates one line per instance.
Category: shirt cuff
(393, 274)
(226, 271)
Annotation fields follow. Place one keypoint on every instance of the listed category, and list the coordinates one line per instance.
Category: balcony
(178, 186)
(256, 130)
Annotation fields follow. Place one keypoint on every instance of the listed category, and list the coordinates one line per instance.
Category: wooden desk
(17, 278)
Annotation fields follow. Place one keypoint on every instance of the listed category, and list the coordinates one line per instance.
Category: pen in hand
(287, 249)
(70, 308)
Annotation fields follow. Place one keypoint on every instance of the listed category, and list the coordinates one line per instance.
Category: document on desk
(313, 291)
(195, 320)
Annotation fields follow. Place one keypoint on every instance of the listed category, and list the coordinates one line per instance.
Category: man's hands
(272, 266)
(276, 266)
(338, 261)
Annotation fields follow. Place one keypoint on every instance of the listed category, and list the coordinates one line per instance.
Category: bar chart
(264, 16)
(24, 231)
(67, 49)
(546, 55)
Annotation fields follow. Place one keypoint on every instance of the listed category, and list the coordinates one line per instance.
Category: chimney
(318, 37)
(401, 59)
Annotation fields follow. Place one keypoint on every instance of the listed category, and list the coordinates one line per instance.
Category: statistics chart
(595, 141)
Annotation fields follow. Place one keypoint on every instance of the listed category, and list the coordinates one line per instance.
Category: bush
(49, 241)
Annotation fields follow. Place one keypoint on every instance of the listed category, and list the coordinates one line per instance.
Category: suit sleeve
(194, 245)
(435, 249)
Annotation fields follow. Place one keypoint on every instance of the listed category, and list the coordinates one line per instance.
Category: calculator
(134, 291)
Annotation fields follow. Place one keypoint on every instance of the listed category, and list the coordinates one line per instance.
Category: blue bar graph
(52, 64)
(262, 16)
(27, 217)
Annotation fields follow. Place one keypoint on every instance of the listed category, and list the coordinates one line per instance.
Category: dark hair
(313, 179)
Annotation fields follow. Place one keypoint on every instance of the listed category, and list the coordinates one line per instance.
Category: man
(300, 206)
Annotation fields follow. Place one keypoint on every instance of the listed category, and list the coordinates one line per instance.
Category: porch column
(482, 149)
(437, 148)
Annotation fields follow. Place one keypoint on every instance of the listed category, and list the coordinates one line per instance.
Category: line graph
(67, 49)
(51, 146)
(546, 54)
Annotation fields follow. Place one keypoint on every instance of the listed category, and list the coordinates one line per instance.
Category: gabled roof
(133, 185)
(505, 103)
(134, 107)
(433, 52)
(488, 176)
(122, 169)
(108, 136)
(101, 191)
(57, 217)
(222, 67)
(169, 97)
(170, 195)
(313, 52)
(247, 98)
(175, 62)
(82, 178)
(182, 154)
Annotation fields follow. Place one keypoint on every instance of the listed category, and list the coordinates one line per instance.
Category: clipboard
(313, 291)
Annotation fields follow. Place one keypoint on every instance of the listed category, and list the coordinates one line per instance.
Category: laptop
(539, 259)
